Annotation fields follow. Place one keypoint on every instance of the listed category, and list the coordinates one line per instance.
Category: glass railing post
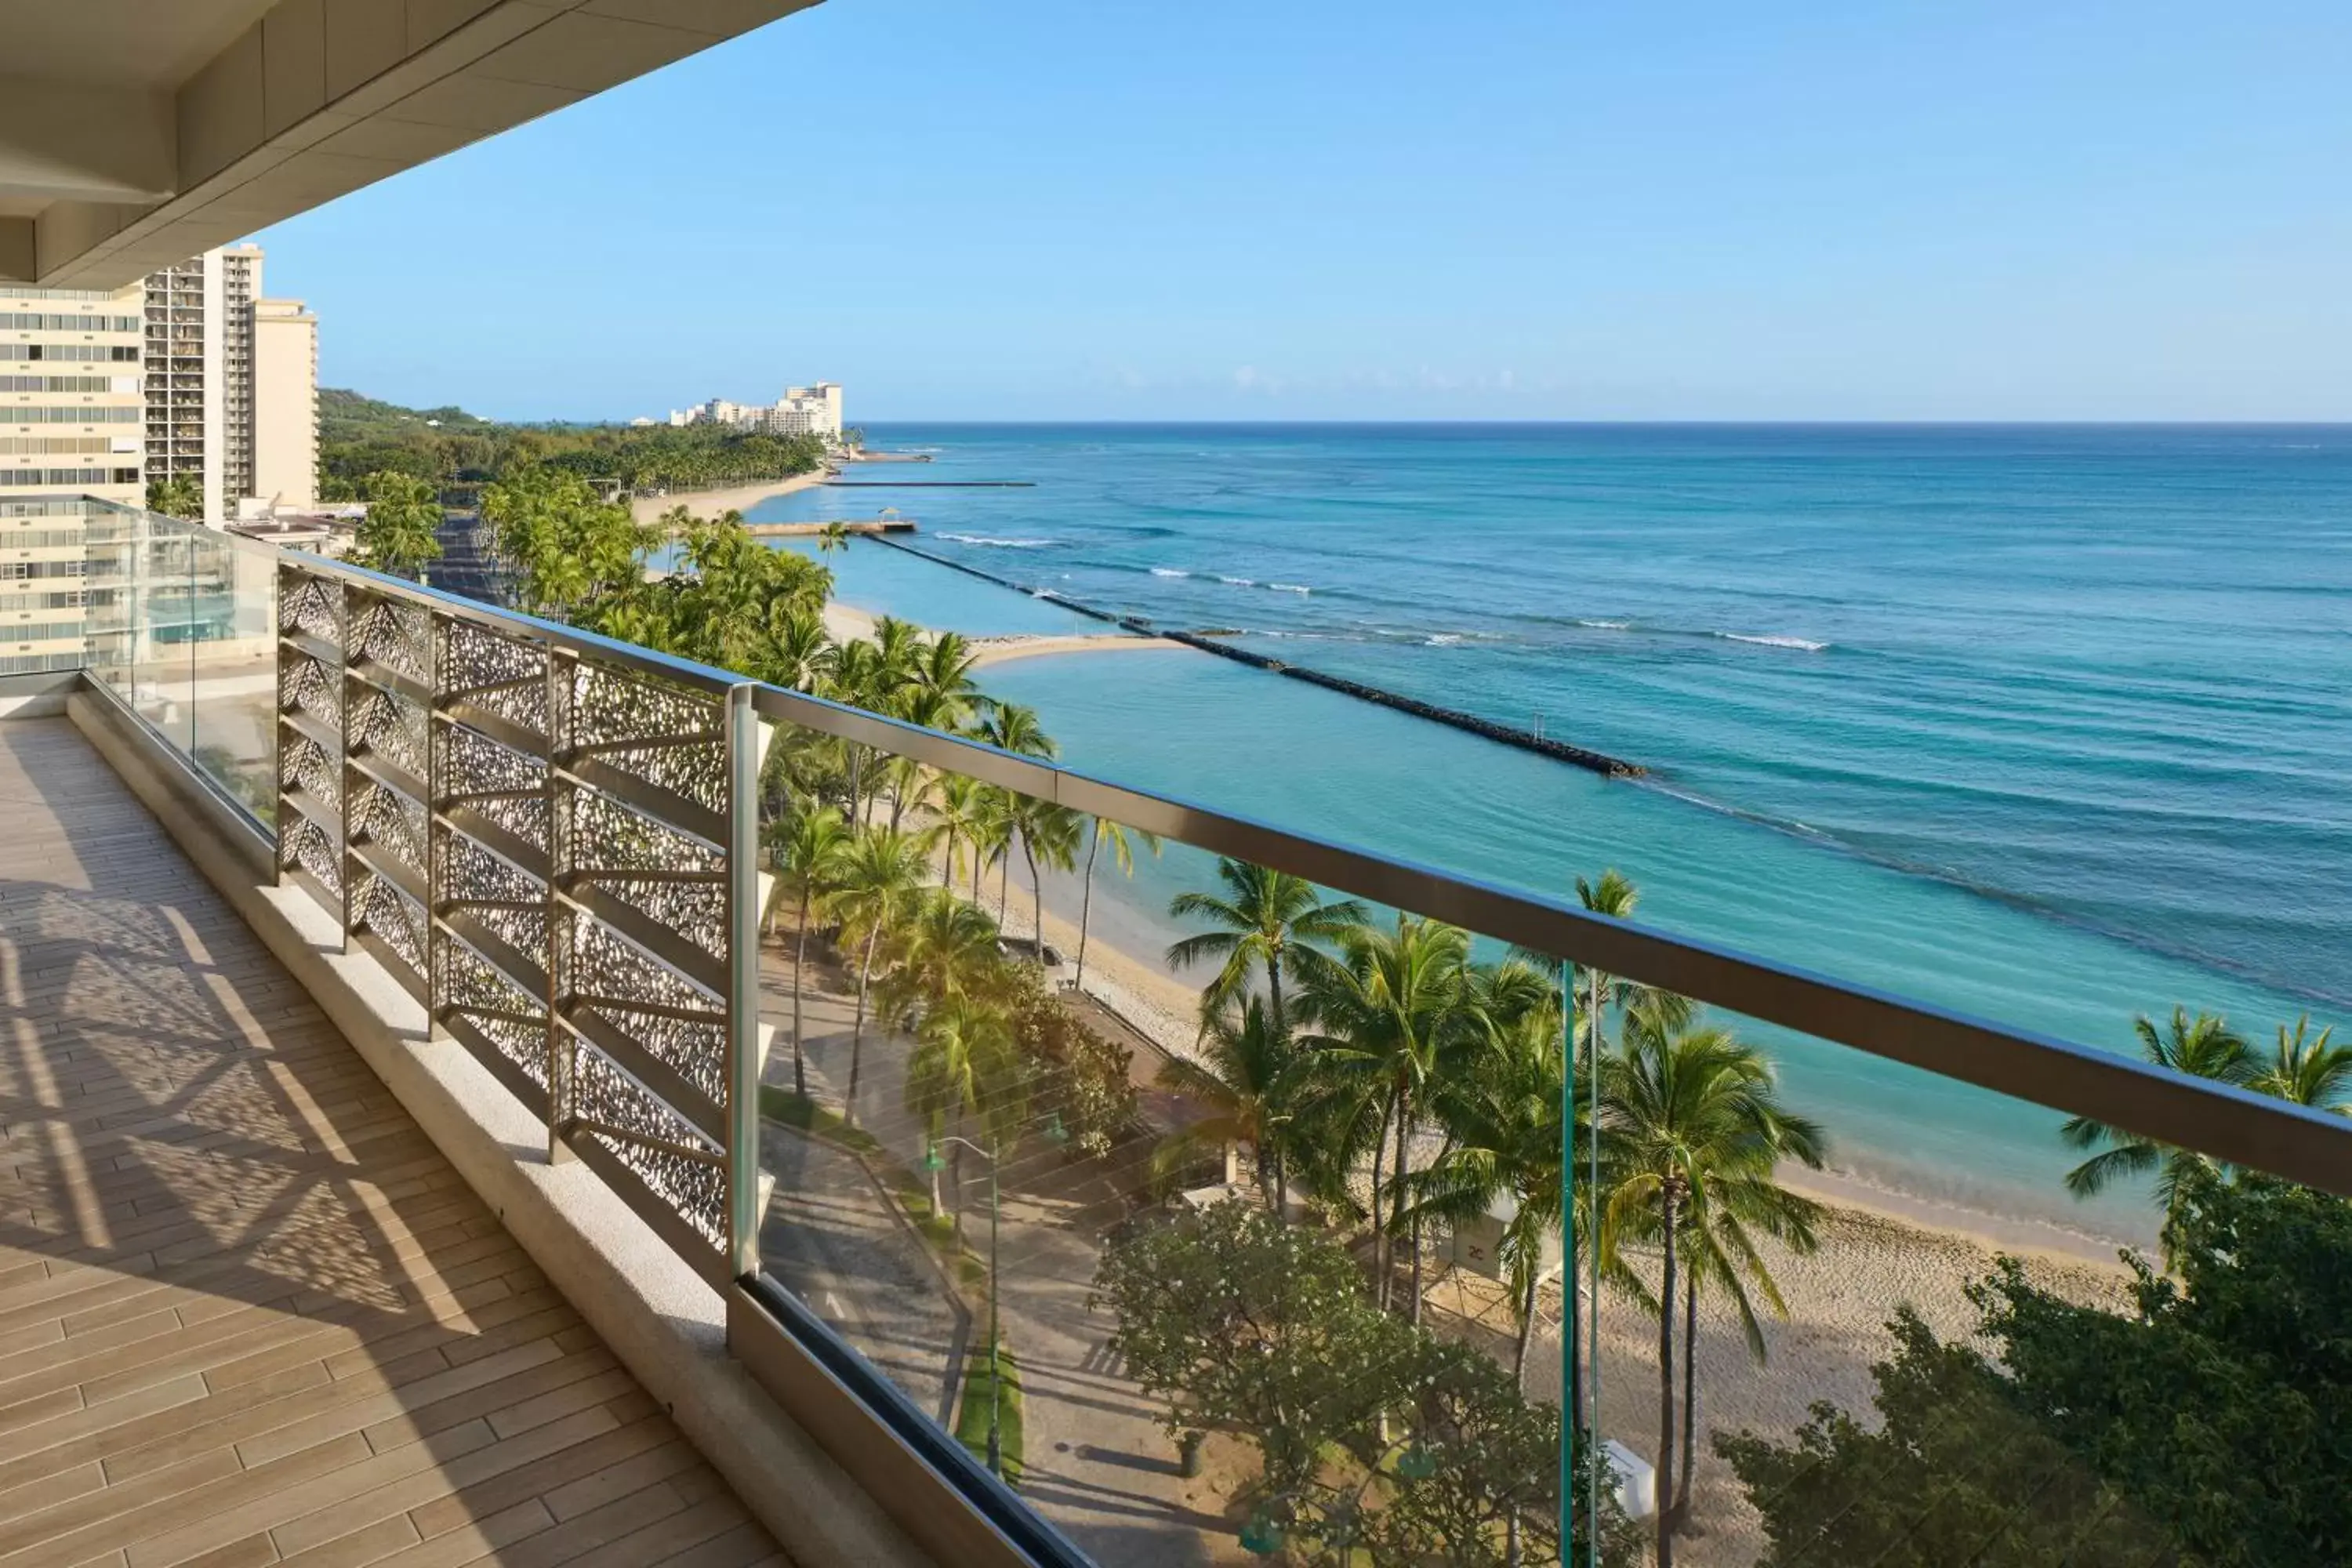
(744, 750)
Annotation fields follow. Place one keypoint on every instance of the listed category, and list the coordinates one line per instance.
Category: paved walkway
(247, 1313)
(1098, 1463)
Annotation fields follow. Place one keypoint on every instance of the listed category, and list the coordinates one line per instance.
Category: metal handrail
(2217, 1120)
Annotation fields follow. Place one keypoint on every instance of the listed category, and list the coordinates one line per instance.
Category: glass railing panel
(114, 571)
(1121, 1210)
(234, 676)
(160, 597)
(1907, 1320)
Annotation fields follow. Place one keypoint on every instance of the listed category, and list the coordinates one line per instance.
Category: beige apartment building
(283, 424)
(72, 417)
(206, 421)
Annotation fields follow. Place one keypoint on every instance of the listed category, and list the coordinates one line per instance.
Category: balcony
(443, 1161)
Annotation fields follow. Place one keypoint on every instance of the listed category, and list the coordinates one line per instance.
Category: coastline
(1879, 1246)
(731, 498)
(845, 623)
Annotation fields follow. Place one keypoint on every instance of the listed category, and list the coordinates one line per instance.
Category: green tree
(1048, 835)
(1236, 1321)
(963, 1066)
(1505, 1142)
(1122, 840)
(807, 850)
(1692, 1133)
(2202, 1427)
(1247, 1081)
(1010, 727)
(1390, 1014)
(946, 950)
(401, 532)
(875, 888)
(180, 496)
(2202, 1047)
(956, 811)
(1374, 1435)
(1265, 922)
(2308, 1069)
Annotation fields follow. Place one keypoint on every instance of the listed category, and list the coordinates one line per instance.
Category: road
(465, 566)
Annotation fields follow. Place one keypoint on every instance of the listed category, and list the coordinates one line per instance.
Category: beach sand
(710, 503)
(844, 623)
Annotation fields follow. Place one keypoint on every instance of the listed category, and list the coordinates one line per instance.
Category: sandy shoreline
(735, 498)
(845, 623)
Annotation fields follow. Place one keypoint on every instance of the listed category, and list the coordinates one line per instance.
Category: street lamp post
(934, 1160)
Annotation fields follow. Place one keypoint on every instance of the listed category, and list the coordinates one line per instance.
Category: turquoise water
(887, 582)
(2045, 724)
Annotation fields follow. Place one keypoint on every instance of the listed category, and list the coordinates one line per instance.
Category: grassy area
(777, 1103)
(972, 1418)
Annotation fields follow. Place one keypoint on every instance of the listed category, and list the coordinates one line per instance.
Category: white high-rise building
(207, 419)
(199, 366)
(73, 411)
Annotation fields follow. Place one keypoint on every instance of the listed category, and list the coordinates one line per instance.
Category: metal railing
(550, 838)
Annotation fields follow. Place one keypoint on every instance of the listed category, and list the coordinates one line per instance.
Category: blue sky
(1238, 209)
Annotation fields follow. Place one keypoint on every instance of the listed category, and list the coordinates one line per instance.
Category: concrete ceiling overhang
(135, 133)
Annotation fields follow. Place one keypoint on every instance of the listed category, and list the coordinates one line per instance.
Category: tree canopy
(2206, 1427)
(359, 435)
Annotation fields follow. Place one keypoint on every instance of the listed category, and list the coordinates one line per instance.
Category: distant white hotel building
(800, 410)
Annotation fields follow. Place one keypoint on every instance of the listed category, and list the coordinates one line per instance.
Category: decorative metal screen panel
(535, 842)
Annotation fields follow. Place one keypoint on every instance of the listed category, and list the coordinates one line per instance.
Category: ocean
(2049, 724)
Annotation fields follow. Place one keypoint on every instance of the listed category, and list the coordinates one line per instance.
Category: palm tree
(800, 650)
(1692, 1131)
(836, 536)
(1010, 727)
(992, 826)
(1268, 921)
(400, 531)
(943, 669)
(2308, 1069)
(2202, 1047)
(806, 850)
(1506, 1140)
(956, 817)
(1390, 1015)
(1246, 1079)
(946, 950)
(879, 878)
(1049, 833)
(1122, 841)
(964, 1063)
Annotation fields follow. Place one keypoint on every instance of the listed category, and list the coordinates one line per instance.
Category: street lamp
(935, 1160)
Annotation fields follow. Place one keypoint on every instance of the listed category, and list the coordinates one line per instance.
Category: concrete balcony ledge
(666, 1325)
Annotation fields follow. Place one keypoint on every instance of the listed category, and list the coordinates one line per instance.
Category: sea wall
(1502, 734)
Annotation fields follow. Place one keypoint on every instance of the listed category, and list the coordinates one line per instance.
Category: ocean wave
(991, 542)
(1239, 582)
(1169, 572)
(1443, 639)
(1607, 625)
(1290, 587)
(1805, 643)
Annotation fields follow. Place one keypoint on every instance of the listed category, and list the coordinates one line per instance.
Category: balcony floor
(248, 1314)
